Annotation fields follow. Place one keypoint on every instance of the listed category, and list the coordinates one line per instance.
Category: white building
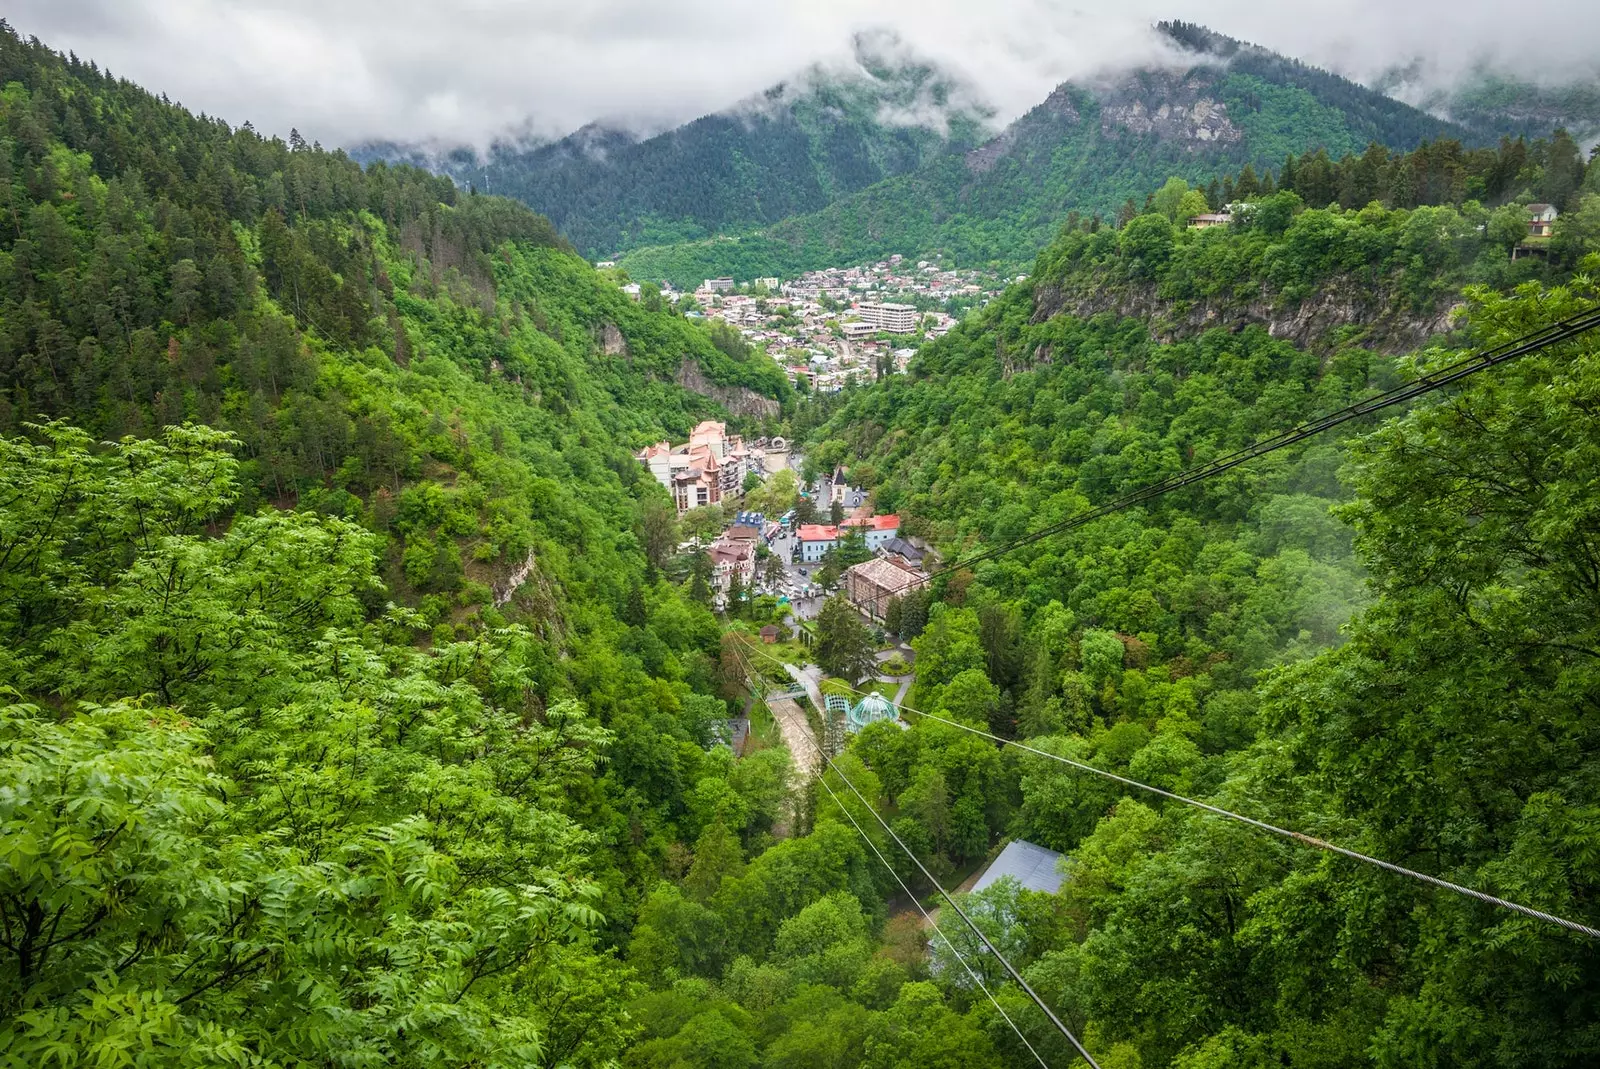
(894, 318)
(718, 285)
(815, 541)
(876, 530)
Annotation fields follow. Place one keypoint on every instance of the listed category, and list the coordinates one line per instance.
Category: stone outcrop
(612, 343)
(1385, 324)
(738, 400)
(1174, 107)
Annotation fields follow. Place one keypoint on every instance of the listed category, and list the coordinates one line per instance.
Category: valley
(807, 588)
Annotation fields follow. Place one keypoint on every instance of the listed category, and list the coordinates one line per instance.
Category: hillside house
(1207, 220)
(899, 547)
(876, 530)
(730, 559)
(1541, 220)
(1035, 867)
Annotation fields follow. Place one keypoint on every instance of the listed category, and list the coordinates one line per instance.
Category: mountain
(790, 150)
(1498, 105)
(1308, 636)
(1088, 147)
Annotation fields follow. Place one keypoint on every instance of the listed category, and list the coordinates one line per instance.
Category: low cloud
(472, 71)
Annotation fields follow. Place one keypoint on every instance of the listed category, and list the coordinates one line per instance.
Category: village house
(730, 559)
(899, 547)
(1209, 219)
(876, 530)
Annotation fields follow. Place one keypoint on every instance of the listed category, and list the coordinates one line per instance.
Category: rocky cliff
(1379, 321)
(738, 400)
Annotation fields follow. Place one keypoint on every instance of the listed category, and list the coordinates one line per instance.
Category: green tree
(844, 646)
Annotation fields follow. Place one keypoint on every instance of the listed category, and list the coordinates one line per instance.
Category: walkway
(796, 732)
(809, 677)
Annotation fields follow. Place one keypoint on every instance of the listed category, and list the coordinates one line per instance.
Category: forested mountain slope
(1089, 148)
(793, 149)
(1386, 641)
(345, 706)
(350, 715)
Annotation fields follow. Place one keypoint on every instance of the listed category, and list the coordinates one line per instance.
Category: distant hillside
(1088, 147)
(791, 150)
(1500, 105)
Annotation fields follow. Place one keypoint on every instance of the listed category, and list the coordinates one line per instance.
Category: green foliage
(844, 646)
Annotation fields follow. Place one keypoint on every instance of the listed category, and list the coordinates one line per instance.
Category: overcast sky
(466, 71)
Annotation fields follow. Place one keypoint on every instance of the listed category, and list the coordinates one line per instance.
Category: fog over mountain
(476, 70)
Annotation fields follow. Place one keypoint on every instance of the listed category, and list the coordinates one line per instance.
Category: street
(795, 579)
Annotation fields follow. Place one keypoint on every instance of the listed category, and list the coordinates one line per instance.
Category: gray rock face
(738, 400)
(1172, 106)
(612, 343)
(1385, 325)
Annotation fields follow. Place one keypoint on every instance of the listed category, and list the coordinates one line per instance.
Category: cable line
(1010, 969)
(930, 921)
(1557, 332)
(1261, 825)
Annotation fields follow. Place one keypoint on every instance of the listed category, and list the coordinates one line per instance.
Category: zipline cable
(1553, 334)
(1261, 825)
(754, 677)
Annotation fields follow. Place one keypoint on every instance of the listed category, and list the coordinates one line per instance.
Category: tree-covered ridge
(347, 708)
(1139, 644)
(790, 150)
(1086, 148)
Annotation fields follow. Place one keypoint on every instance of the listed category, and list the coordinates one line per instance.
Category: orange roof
(877, 523)
(818, 532)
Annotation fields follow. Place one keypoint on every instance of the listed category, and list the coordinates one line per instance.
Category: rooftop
(877, 523)
(885, 574)
(1029, 864)
(818, 532)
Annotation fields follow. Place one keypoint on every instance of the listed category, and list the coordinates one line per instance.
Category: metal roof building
(1029, 864)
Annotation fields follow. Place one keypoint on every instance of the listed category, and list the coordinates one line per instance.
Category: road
(798, 576)
(809, 677)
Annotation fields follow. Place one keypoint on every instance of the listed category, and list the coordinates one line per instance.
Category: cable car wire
(1260, 825)
(1532, 342)
(752, 676)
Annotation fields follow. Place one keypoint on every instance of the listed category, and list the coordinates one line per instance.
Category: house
(769, 634)
(1541, 220)
(730, 560)
(877, 530)
(873, 584)
(899, 547)
(1034, 867)
(815, 541)
(741, 533)
(1210, 219)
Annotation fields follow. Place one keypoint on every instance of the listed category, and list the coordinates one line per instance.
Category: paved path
(809, 677)
(796, 732)
(900, 695)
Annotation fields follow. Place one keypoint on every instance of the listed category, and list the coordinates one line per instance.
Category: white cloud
(345, 71)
